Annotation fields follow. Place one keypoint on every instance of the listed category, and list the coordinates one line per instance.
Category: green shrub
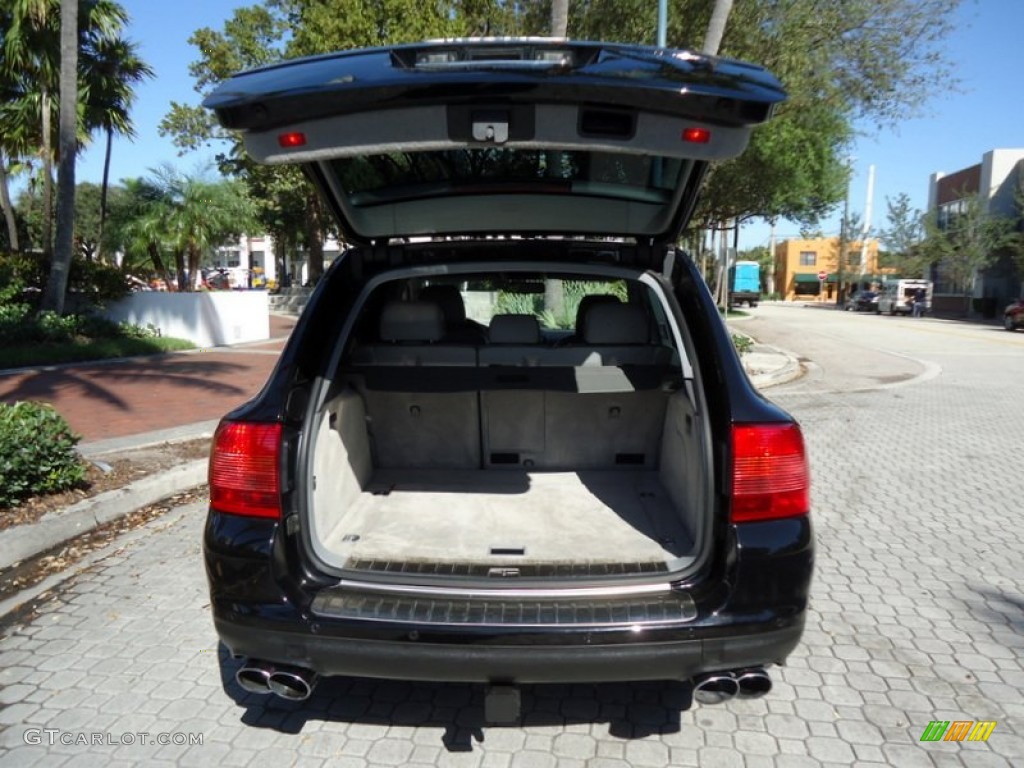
(742, 343)
(23, 277)
(37, 452)
(128, 331)
(98, 283)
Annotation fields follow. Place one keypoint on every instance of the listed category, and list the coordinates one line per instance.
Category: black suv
(509, 440)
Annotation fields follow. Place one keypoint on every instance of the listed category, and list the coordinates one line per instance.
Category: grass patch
(84, 349)
(733, 314)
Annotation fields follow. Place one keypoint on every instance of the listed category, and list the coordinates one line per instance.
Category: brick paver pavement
(115, 399)
(916, 616)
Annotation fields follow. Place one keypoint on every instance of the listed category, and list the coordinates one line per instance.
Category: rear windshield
(399, 176)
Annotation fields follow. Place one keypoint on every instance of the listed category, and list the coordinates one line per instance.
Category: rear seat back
(620, 334)
(595, 404)
(411, 333)
(513, 340)
(421, 395)
(513, 402)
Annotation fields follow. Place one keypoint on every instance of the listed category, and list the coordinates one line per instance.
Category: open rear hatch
(502, 137)
(510, 458)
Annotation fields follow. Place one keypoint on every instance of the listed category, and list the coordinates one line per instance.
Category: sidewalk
(125, 405)
(120, 398)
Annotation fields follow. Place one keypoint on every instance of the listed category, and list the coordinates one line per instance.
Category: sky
(955, 127)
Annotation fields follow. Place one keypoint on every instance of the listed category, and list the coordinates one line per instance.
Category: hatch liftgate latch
(490, 127)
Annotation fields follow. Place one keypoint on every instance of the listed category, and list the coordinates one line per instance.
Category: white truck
(897, 297)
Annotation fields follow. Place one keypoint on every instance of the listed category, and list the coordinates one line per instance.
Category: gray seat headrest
(411, 321)
(616, 324)
(586, 304)
(449, 299)
(514, 329)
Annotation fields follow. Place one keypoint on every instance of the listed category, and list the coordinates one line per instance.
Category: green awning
(804, 278)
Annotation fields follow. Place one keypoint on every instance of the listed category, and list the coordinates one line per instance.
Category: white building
(997, 180)
(256, 252)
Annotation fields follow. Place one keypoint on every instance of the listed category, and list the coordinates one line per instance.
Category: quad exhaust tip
(287, 681)
(753, 683)
(719, 687)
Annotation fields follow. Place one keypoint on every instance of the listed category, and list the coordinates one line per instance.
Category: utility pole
(866, 227)
(842, 247)
(662, 22)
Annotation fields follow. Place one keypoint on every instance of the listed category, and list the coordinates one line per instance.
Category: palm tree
(57, 282)
(113, 68)
(30, 57)
(716, 27)
(137, 227)
(199, 215)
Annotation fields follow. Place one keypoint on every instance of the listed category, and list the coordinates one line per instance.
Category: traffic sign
(822, 275)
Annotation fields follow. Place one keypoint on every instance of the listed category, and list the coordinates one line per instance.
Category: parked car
(1013, 315)
(435, 486)
(862, 301)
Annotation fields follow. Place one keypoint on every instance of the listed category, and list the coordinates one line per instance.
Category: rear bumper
(757, 619)
(469, 663)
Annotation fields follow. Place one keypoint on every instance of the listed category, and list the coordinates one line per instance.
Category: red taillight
(770, 478)
(697, 135)
(245, 469)
(290, 140)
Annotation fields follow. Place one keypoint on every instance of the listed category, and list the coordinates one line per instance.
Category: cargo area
(509, 455)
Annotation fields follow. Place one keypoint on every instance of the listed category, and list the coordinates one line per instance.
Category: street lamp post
(842, 238)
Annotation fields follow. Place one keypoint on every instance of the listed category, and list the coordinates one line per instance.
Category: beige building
(800, 265)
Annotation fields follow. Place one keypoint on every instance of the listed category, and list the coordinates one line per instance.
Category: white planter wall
(206, 319)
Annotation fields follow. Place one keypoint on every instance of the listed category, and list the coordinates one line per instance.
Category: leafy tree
(87, 220)
(903, 235)
(968, 241)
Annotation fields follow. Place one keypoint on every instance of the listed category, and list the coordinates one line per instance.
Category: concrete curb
(769, 366)
(24, 541)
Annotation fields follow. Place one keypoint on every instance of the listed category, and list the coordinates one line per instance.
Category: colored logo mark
(958, 730)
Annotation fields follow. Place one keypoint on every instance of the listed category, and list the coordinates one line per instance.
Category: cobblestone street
(917, 613)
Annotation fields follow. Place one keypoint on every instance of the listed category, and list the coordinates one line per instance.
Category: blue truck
(745, 283)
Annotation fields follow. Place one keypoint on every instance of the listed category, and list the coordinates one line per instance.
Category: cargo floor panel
(509, 517)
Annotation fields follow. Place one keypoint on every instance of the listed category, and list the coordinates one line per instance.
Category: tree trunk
(159, 266)
(57, 283)
(194, 276)
(179, 264)
(280, 260)
(716, 27)
(47, 223)
(559, 18)
(314, 241)
(103, 191)
(5, 203)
